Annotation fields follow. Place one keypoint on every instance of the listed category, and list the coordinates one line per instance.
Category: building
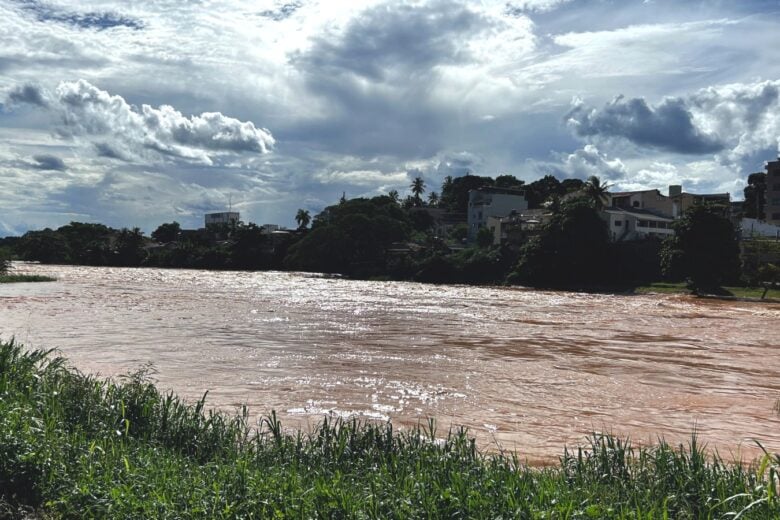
(226, 217)
(754, 228)
(513, 229)
(492, 202)
(636, 224)
(647, 200)
(684, 201)
(772, 208)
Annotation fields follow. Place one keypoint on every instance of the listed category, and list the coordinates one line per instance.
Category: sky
(139, 113)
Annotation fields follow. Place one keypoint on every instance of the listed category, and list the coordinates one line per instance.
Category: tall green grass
(73, 446)
(16, 278)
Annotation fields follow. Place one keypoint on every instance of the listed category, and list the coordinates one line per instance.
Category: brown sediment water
(525, 371)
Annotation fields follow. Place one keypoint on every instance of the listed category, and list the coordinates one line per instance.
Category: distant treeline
(386, 237)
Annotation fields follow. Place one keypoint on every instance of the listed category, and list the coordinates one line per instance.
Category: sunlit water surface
(528, 371)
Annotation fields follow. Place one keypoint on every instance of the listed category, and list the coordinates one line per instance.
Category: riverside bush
(74, 446)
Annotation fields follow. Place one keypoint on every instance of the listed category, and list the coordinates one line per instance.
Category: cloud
(99, 20)
(519, 7)
(734, 121)
(282, 12)
(26, 94)
(388, 39)
(583, 163)
(48, 162)
(363, 178)
(120, 130)
(668, 125)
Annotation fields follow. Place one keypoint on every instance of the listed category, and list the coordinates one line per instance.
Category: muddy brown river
(526, 371)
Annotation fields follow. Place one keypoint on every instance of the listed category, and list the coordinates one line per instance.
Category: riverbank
(72, 445)
(741, 293)
(17, 278)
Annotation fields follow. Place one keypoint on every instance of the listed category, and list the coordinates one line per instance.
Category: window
(618, 223)
(775, 216)
(635, 204)
(653, 224)
(775, 202)
(776, 187)
(641, 223)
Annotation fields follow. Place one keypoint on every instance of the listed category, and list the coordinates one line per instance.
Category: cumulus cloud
(585, 162)
(48, 162)
(668, 125)
(120, 130)
(734, 121)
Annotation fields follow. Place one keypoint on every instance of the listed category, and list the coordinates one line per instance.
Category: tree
(168, 232)
(455, 192)
(433, 199)
(596, 191)
(541, 190)
(755, 196)
(484, 237)
(571, 250)
(129, 247)
(418, 188)
(303, 218)
(351, 237)
(394, 196)
(248, 248)
(509, 181)
(704, 249)
(5, 262)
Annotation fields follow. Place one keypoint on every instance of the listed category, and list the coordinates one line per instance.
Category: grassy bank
(681, 288)
(14, 278)
(72, 446)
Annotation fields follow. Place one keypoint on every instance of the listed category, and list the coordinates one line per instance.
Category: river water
(526, 371)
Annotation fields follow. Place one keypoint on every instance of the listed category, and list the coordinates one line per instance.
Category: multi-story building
(772, 208)
(225, 217)
(492, 202)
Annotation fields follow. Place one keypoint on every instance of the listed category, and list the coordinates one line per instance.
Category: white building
(751, 228)
(226, 217)
(626, 224)
(492, 202)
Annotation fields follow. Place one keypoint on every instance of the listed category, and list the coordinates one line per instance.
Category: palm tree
(433, 198)
(596, 191)
(393, 194)
(302, 218)
(418, 188)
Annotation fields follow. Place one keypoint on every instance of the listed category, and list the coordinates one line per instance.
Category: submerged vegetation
(74, 446)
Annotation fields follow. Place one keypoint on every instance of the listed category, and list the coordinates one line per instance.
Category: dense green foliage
(72, 446)
(704, 249)
(351, 238)
(572, 249)
(755, 196)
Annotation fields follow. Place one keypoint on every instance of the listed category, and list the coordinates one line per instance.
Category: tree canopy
(704, 248)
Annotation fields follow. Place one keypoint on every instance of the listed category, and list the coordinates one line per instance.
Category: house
(684, 201)
(225, 217)
(636, 224)
(515, 227)
(492, 202)
(772, 208)
(649, 200)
